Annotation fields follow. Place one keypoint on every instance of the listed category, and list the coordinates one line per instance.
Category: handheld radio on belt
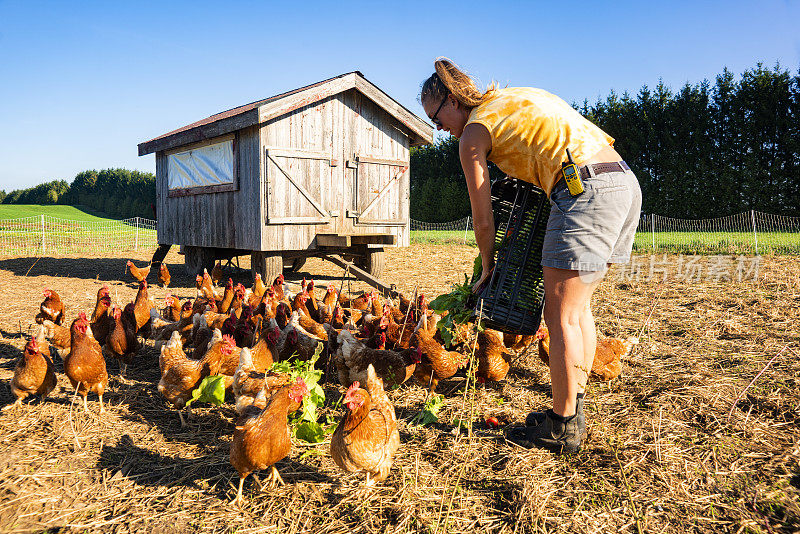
(572, 175)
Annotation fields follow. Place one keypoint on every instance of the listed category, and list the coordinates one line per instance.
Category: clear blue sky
(81, 83)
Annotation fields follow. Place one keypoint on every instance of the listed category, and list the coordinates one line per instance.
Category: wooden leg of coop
(268, 264)
(160, 254)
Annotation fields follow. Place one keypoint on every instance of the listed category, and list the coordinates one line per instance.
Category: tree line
(118, 193)
(705, 150)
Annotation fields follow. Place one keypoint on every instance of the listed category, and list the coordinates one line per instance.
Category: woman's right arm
(474, 145)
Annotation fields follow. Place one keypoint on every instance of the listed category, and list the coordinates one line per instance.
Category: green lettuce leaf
(211, 390)
(310, 431)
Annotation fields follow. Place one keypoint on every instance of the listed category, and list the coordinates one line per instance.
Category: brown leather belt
(600, 168)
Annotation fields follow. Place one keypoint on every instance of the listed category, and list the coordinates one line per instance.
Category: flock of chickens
(239, 333)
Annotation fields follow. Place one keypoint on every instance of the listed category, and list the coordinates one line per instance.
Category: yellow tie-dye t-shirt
(531, 130)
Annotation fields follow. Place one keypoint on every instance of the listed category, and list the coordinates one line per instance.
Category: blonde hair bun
(450, 79)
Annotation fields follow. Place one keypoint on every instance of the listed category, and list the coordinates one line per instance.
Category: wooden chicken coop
(320, 170)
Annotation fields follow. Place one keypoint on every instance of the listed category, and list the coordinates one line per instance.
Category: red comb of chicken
(278, 280)
(331, 288)
(298, 390)
(273, 334)
(228, 340)
(47, 293)
(292, 337)
(541, 333)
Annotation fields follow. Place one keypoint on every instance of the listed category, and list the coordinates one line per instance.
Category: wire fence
(45, 235)
(751, 232)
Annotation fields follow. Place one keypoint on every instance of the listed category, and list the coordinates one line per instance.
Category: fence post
(653, 229)
(136, 244)
(43, 249)
(755, 235)
(466, 227)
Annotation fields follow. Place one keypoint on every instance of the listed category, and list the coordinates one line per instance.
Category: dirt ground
(699, 434)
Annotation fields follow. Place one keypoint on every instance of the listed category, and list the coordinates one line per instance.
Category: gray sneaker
(554, 434)
(537, 418)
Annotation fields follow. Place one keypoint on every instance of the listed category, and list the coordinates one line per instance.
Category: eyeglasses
(434, 120)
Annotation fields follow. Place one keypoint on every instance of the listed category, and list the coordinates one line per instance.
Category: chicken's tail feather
(374, 382)
(629, 343)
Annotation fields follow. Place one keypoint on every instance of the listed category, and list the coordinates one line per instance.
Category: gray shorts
(597, 227)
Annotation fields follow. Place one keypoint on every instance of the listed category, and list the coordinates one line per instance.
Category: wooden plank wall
(315, 128)
(342, 125)
(224, 220)
(375, 133)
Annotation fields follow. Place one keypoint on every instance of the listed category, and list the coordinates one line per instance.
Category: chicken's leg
(183, 422)
(239, 500)
(14, 405)
(101, 403)
(85, 406)
(274, 478)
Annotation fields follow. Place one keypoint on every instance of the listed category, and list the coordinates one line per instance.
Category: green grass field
(665, 242)
(718, 242)
(442, 237)
(72, 213)
(67, 230)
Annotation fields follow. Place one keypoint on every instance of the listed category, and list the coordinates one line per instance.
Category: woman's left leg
(573, 339)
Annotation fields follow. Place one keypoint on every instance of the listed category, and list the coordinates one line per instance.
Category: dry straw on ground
(662, 454)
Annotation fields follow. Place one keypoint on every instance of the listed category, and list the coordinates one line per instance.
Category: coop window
(203, 168)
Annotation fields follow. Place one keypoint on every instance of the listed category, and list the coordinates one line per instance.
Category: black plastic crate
(514, 298)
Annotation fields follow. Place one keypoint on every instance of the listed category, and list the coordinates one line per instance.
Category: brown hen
(51, 308)
(493, 360)
(437, 362)
(367, 438)
(262, 437)
(85, 366)
(139, 273)
(34, 374)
